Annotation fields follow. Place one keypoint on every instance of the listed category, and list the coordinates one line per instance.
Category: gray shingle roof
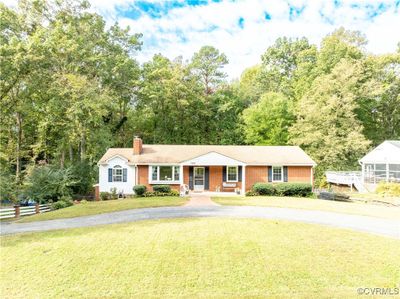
(251, 155)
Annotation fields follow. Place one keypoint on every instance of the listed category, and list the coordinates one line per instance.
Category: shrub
(293, 189)
(139, 189)
(105, 195)
(162, 188)
(149, 194)
(388, 189)
(64, 202)
(281, 189)
(46, 183)
(113, 194)
(174, 193)
(83, 201)
(264, 189)
(251, 193)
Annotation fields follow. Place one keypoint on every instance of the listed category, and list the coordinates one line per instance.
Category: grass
(99, 207)
(197, 258)
(358, 208)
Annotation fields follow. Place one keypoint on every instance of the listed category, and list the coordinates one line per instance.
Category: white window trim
(114, 170)
(158, 181)
(281, 167)
(227, 174)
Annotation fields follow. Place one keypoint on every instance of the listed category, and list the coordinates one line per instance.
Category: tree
(267, 121)
(208, 64)
(249, 86)
(326, 124)
(379, 98)
(279, 63)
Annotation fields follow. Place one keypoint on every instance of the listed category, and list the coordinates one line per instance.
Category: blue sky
(244, 29)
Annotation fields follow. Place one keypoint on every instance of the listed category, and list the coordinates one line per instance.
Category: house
(380, 164)
(217, 168)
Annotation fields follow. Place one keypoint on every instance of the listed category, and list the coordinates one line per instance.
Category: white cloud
(245, 46)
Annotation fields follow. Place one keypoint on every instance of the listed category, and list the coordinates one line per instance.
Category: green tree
(208, 64)
(279, 64)
(267, 121)
(326, 123)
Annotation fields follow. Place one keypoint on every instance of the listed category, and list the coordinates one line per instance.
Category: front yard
(199, 257)
(99, 207)
(359, 208)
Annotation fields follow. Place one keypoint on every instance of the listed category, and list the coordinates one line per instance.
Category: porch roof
(242, 154)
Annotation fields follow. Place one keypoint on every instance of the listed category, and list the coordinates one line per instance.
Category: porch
(210, 180)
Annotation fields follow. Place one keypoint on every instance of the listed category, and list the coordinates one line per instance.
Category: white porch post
(181, 174)
(244, 180)
(363, 173)
(387, 172)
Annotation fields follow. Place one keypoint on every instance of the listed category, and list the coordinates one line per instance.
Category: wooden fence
(17, 211)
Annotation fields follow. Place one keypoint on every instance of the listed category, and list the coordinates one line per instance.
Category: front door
(198, 178)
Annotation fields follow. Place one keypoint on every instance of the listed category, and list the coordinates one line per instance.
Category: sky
(244, 29)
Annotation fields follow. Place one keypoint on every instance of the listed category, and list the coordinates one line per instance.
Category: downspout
(244, 180)
(136, 174)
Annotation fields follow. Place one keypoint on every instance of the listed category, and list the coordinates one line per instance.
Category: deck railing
(349, 178)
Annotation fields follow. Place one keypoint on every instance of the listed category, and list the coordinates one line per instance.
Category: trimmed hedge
(139, 189)
(264, 189)
(160, 194)
(162, 188)
(282, 189)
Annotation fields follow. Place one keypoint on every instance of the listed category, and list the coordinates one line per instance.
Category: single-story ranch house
(216, 168)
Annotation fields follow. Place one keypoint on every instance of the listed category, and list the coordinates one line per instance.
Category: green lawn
(98, 207)
(358, 208)
(199, 257)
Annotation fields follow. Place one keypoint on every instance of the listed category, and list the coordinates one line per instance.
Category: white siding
(211, 159)
(382, 154)
(125, 187)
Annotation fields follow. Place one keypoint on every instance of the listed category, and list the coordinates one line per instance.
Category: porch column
(363, 173)
(181, 174)
(243, 180)
(387, 172)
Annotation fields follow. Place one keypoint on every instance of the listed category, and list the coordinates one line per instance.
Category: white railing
(18, 211)
(349, 178)
(342, 177)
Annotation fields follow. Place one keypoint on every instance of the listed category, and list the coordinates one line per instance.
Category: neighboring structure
(202, 167)
(380, 164)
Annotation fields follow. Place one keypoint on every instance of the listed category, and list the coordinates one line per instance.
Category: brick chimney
(137, 145)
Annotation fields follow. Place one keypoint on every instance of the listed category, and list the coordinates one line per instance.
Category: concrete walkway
(200, 200)
(378, 226)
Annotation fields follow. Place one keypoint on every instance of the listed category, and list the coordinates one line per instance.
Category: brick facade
(299, 174)
(143, 178)
(254, 174)
(259, 174)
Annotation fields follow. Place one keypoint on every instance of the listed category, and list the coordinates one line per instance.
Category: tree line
(71, 88)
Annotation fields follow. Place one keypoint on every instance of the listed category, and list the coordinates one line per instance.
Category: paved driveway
(383, 227)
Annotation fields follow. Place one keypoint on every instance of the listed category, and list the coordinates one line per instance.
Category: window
(176, 173)
(117, 174)
(394, 172)
(277, 174)
(165, 174)
(154, 173)
(232, 174)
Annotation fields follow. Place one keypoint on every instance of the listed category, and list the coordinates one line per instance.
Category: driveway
(378, 226)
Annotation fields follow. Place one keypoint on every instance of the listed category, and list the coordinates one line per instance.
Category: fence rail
(18, 211)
